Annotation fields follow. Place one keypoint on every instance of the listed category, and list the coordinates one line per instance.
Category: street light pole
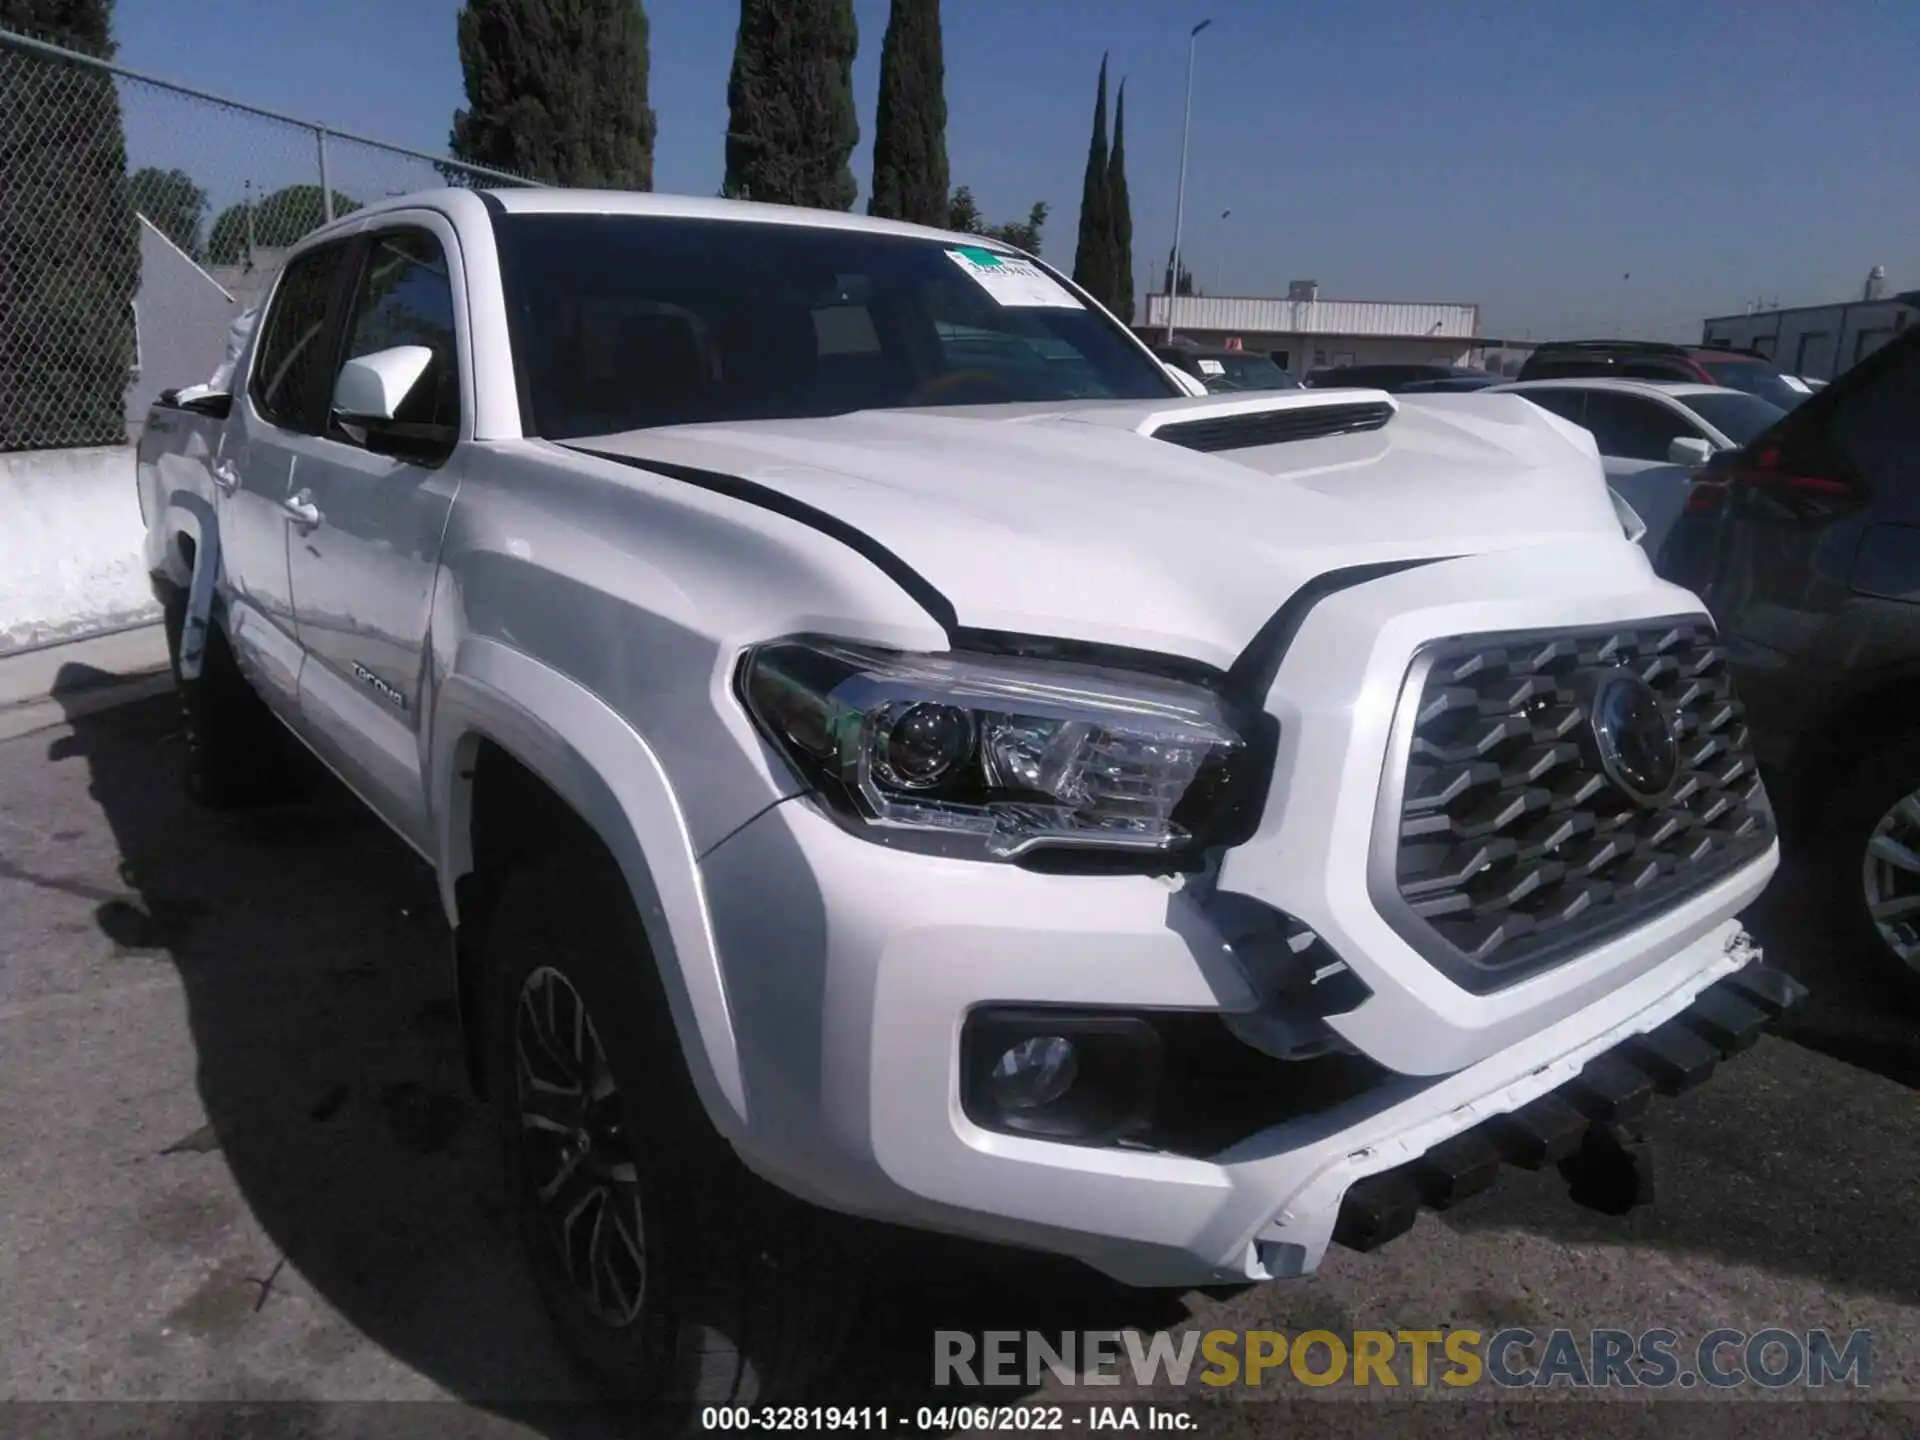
(1180, 197)
(1220, 260)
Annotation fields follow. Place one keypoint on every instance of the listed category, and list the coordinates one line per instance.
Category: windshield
(1734, 413)
(1754, 378)
(623, 322)
(1242, 371)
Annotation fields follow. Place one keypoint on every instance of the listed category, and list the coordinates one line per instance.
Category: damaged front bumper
(869, 1114)
(1585, 1126)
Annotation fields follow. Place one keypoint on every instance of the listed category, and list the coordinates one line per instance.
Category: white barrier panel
(70, 545)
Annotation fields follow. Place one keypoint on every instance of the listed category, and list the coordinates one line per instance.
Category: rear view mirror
(371, 388)
(1689, 450)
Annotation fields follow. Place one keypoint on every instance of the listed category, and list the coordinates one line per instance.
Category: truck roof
(544, 200)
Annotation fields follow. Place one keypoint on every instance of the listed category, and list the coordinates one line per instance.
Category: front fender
(174, 489)
(607, 772)
(181, 514)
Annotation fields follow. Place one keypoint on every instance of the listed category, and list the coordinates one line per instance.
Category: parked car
(873, 773)
(1398, 379)
(1225, 371)
(1462, 382)
(1746, 370)
(1653, 435)
(1805, 543)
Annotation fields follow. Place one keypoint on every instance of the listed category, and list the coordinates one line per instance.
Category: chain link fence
(138, 218)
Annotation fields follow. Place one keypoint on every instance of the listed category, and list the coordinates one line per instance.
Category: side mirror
(371, 388)
(1689, 450)
(1186, 382)
(1631, 525)
(216, 403)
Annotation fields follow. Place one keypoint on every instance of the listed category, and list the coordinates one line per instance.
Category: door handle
(226, 479)
(301, 510)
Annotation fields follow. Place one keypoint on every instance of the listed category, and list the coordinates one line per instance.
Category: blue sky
(1527, 154)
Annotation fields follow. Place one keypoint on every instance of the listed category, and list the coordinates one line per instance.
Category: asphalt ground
(243, 1190)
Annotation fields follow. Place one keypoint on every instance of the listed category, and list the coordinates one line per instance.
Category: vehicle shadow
(312, 953)
(1855, 1011)
(1797, 1157)
(314, 959)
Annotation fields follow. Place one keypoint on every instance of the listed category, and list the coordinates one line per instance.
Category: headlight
(1001, 756)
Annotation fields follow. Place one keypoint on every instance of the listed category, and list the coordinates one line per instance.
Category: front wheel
(1871, 856)
(236, 752)
(670, 1272)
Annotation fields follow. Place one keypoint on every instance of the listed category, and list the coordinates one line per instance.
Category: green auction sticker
(1012, 280)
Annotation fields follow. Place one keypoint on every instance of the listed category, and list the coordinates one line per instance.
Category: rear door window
(1735, 414)
(1633, 427)
(1567, 404)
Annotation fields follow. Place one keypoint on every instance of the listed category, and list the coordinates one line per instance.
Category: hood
(1074, 522)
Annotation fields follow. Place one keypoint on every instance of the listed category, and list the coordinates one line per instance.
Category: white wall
(1818, 341)
(1302, 350)
(182, 317)
(1437, 351)
(70, 545)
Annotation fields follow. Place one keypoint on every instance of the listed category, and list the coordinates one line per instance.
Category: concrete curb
(51, 685)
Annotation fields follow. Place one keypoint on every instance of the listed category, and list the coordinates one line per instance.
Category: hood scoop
(1274, 427)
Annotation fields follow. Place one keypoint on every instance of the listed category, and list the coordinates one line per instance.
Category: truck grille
(1508, 841)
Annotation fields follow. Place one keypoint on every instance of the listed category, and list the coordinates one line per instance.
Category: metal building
(1303, 331)
(1818, 341)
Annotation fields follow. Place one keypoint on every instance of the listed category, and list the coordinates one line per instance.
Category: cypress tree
(1122, 212)
(910, 131)
(791, 126)
(557, 92)
(1093, 255)
(69, 243)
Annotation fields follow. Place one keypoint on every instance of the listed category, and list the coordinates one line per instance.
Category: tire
(746, 1293)
(1867, 800)
(236, 752)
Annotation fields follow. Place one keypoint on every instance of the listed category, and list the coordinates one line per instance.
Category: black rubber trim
(767, 498)
(519, 343)
(1575, 1125)
(1254, 671)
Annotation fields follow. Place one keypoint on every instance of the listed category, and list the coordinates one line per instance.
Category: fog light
(1033, 1073)
(1088, 1077)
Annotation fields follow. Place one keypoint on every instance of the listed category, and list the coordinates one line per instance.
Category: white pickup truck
(891, 751)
